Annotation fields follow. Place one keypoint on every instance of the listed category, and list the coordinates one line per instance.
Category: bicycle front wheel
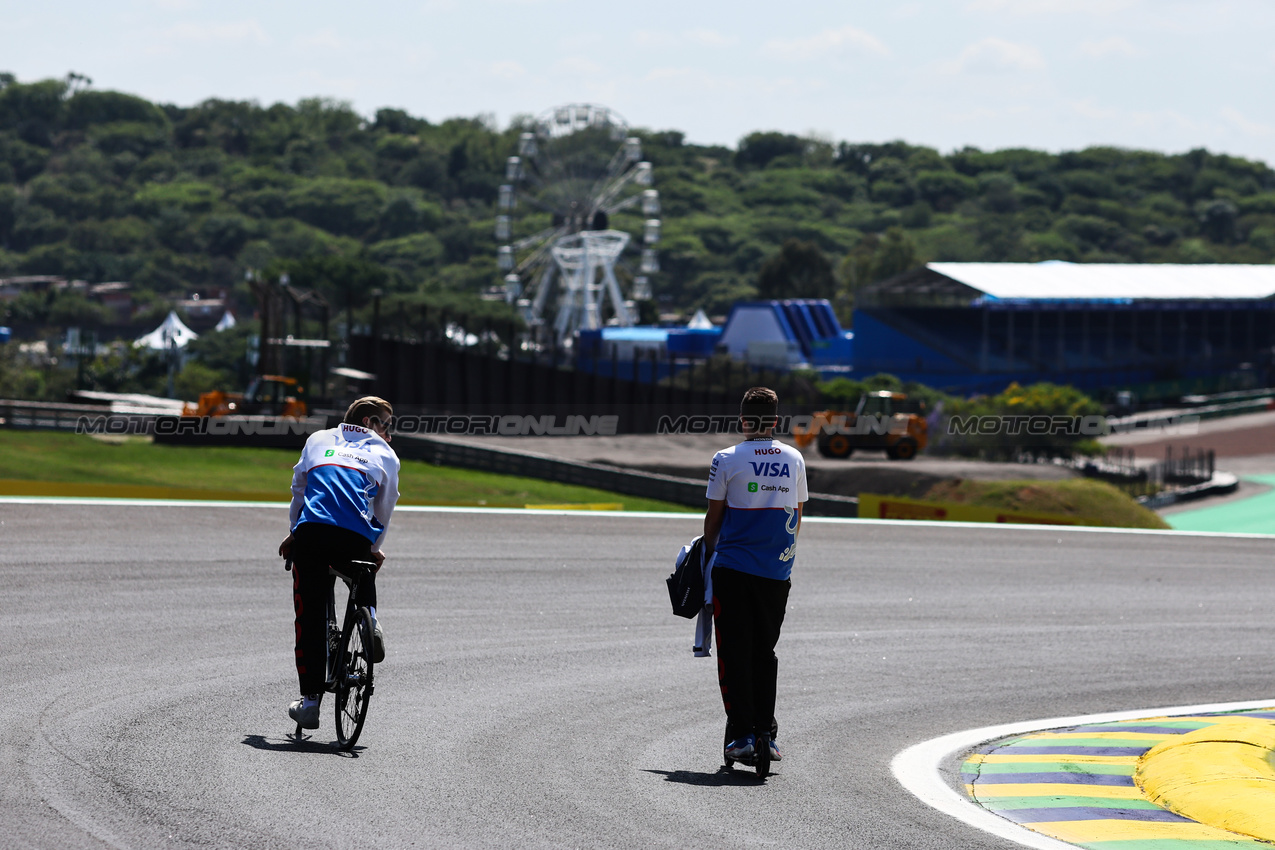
(354, 690)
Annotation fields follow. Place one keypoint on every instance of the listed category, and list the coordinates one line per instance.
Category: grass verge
(197, 473)
(1096, 502)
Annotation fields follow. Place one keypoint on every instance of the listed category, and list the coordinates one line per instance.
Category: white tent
(227, 321)
(699, 322)
(171, 332)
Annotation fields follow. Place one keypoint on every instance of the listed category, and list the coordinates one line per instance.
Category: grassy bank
(1094, 501)
(48, 456)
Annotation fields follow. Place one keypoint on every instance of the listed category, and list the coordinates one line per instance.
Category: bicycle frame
(336, 661)
(340, 680)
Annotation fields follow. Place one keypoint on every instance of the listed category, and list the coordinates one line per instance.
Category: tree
(877, 258)
(344, 281)
(758, 149)
(945, 189)
(799, 270)
(86, 108)
(34, 111)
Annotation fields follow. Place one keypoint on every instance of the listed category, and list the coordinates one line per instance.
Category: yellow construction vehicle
(267, 395)
(882, 420)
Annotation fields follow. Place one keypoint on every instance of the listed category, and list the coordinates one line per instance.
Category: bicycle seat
(355, 567)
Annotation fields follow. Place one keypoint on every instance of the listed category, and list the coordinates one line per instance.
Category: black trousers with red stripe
(315, 548)
(748, 612)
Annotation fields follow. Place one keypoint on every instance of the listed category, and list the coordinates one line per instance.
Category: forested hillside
(104, 186)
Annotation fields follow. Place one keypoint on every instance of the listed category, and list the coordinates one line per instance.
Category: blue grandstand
(797, 333)
(975, 327)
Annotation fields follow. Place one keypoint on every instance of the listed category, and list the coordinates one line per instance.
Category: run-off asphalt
(539, 693)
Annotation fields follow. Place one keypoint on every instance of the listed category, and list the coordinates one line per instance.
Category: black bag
(686, 584)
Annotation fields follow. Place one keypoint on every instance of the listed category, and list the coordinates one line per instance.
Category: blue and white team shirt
(762, 482)
(348, 477)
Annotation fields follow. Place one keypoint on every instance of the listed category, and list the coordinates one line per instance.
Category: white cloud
(688, 79)
(1244, 124)
(1113, 46)
(701, 37)
(831, 41)
(507, 70)
(791, 86)
(234, 31)
(995, 56)
(576, 65)
(326, 39)
(1050, 7)
(1158, 121)
(655, 38)
(710, 38)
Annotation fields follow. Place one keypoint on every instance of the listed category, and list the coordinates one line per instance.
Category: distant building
(1161, 329)
(12, 287)
(200, 306)
(116, 296)
(787, 335)
(798, 333)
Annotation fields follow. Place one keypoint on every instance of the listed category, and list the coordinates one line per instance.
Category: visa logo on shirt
(770, 470)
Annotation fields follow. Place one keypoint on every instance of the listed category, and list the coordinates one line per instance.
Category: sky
(1165, 75)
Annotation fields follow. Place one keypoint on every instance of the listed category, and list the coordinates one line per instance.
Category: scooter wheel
(761, 761)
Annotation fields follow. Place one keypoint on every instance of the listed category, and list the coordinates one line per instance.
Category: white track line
(223, 503)
(819, 520)
(919, 767)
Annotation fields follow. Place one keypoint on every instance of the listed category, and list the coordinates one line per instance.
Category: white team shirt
(348, 477)
(762, 483)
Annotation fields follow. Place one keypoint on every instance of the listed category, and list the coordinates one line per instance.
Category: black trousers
(748, 612)
(315, 548)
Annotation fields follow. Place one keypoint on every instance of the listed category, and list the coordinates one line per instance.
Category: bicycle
(349, 664)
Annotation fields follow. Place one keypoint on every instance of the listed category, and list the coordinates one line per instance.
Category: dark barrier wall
(434, 377)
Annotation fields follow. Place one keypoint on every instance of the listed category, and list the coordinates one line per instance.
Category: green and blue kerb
(1077, 785)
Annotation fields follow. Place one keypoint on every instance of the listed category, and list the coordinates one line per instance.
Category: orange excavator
(267, 395)
(882, 420)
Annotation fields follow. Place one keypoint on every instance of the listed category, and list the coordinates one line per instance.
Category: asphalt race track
(538, 692)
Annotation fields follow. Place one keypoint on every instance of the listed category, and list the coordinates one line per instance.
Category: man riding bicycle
(344, 489)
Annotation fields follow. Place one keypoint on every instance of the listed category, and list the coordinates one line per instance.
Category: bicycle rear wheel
(354, 690)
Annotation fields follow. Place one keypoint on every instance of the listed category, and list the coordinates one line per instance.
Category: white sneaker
(378, 642)
(305, 711)
(740, 749)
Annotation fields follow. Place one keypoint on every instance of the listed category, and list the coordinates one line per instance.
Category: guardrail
(1179, 416)
(51, 416)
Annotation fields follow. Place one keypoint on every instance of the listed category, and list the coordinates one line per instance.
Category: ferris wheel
(577, 197)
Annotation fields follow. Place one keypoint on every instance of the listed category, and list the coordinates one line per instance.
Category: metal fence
(1181, 471)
